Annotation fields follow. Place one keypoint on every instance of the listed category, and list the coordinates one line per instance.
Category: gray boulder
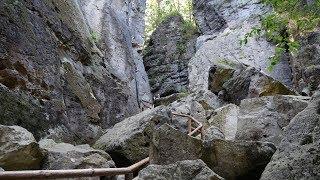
(251, 83)
(204, 38)
(265, 118)
(237, 160)
(128, 141)
(18, 149)
(169, 145)
(233, 82)
(188, 169)
(297, 156)
(68, 156)
(199, 105)
(226, 119)
(220, 74)
(212, 133)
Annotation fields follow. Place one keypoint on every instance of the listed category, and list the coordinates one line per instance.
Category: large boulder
(128, 141)
(18, 149)
(237, 160)
(227, 22)
(188, 169)
(212, 133)
(251, 83)
(235, 82)
(169, 145)
(220, 74)
(167, 55)
(68, 156)
(265, 118)
(199, 105)
(297, 156)
(226, 119)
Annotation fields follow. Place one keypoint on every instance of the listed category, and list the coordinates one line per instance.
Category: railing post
(202, 132)
(128, 176)
(189, 125)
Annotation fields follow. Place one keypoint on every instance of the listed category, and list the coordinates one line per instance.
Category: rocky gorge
(81, 88)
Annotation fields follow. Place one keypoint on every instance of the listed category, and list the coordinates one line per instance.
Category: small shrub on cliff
(289, 20)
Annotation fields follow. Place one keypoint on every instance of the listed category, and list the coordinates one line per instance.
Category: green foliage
(159, 10)
(255, 31)
(188, 30)
(289, 20)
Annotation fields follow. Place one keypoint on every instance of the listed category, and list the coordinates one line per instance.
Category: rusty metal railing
(95, 172)
(191, 120)
(74, 173)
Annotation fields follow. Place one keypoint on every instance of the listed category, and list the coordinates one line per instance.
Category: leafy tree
(289, 20)
(159, 10)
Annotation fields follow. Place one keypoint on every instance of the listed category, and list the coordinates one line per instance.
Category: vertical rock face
(166, 57)
(18, 109)
(74, 60)
(223, 28)
(306, 64)
(118, 27)
(207, 17)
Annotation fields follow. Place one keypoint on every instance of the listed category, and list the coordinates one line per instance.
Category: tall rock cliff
(166, 57)
(69, 69)
(306, 64)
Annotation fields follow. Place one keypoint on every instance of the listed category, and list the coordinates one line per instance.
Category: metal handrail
(43, 174)
(191, 119)
(93, 172)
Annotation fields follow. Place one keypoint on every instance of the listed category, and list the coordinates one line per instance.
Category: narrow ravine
(180, 89)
